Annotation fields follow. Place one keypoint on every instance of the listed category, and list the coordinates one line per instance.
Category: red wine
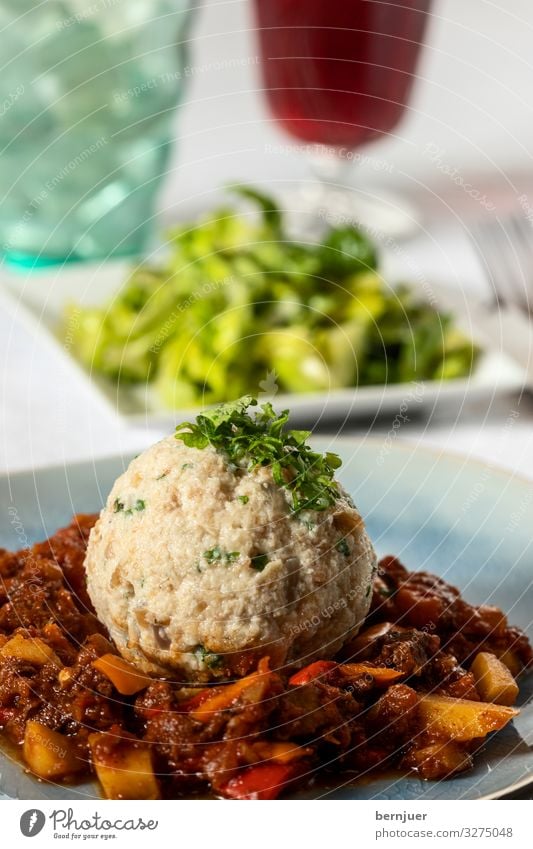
(339, 72)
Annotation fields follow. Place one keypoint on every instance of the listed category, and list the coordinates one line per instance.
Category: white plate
(38, 299)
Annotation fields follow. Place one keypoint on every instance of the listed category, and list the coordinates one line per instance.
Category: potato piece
(125, 678)
(124, 767)
(512, 662)
(30, 649)
(462, 719)
(438, 760)
(50, 754)
(494, 682)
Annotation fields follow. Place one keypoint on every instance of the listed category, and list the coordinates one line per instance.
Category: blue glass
(88, 97)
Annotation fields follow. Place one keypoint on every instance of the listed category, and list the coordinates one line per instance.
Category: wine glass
(338, 74)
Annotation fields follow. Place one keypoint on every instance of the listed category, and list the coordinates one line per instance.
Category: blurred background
(472, 98)
(121, 122)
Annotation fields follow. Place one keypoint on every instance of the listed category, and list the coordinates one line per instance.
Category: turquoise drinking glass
(88, 97)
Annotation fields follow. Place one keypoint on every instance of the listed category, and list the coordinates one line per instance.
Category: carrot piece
(309, 673)
(263, 666)
(382, 675)
(124, 677)
(195, 701)
(265, 781)
(223, 697)
(281, 752)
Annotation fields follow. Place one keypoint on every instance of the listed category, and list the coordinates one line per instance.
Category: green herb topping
(208, 658)
(308, 523)
(263, 440)
(118, 507)
(259, 561)
(243, 499)
(218, 555)
(343, 547)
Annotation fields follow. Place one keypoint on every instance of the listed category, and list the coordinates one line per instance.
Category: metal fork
(505, 248)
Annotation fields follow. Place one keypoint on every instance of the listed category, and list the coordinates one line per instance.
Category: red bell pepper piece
(309, 673)
(195, 701)
(264, 781)
(6, 713)
(181, 707)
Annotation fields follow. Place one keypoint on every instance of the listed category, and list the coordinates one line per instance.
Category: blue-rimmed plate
(469, 522)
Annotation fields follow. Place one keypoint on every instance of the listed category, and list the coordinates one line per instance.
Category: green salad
(237, 305)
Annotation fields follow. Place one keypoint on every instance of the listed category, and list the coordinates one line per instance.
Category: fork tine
(505, 254)
(490, 260)
(509, 258)
(523, 238)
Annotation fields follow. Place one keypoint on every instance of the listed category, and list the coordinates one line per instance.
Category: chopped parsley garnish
(208, 658)
(343, 547)
(160, 477)
(218, 555)
(263, 440)
(119, 507)
(259, 561)
(243, 499)
(187, 466)
(310, 525)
